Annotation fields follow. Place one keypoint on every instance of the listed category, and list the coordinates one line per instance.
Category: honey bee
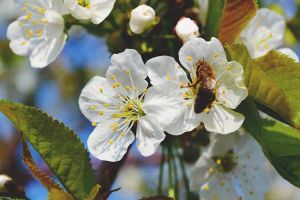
(205, 87)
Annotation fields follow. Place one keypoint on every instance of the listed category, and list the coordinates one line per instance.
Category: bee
(205, 87)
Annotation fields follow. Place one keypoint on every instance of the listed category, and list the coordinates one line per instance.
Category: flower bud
(186, 29)
(4, 179)
(142, 18)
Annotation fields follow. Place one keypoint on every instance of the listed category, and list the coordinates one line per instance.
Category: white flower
(121, 101)
(222, 87)
(187, 29)
(4, 179)
(233, 167)
(95, 10)
(141, 19)
(265, 32)
(38, 34)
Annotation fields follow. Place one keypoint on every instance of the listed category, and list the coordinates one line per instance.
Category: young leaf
(236, 15)
(273, 80)
(58, 145)
(280, 143)
(214, 14)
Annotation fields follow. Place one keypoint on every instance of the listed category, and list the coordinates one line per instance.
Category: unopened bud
(186, 29)
(142, 18)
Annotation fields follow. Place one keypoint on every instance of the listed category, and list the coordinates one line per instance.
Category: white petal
(130, 59)
(78, 11)
(289, 52)
(222, 120)
(20, 46)
(105, 144)
(198, 49)
(59, 6)
(165, 102)
(149, 135)
(263, 33)
(55, 26)
(101, 9)
(129, 71)
(14, 31)
(221, 187)
(251, 172)
(216, 54)
(232, 89)
(132, 84)
(47, 51)
(164, 68)
(221, 144)
(188, 121)
(200, 173)
(93, 98)
(193, 51)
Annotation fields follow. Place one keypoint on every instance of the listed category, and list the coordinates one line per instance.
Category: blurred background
(56, 89)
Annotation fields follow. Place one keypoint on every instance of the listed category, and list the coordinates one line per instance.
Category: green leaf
(214, 14)
(55, 194)
(280, 143)
(93, 193)
(58, 145)
(273, 81)
(235, 17)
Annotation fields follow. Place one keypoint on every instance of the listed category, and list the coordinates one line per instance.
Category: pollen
(111, 141)
(127, 88)
(93, 107)
(182, 84)
(216, 55)
(127, 71)
(145, 90)
(185, 95)
(206, 187)
(114, 126)
(101, 90)
(94, 124)
(116, 85)
(100, 113)
(211, 170)
(206, 110)
(23, 43)
(113, 77)
(189, 58)
(229, 67)
(122, 133)
(168, 77)
(218, 161)
(106, 105)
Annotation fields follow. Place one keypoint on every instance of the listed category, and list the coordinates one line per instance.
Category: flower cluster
(204, 90)
(143, 102)
(40, 32)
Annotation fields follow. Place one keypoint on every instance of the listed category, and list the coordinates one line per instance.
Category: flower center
(131, 110)
(34, 21)
(226, 163)
(84, 3)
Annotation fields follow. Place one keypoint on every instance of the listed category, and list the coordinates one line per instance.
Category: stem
(161, 169)
(171, 186)
(185, 178)
(175, 173)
